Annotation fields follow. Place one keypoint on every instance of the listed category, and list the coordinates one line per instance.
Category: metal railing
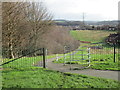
(41, 51)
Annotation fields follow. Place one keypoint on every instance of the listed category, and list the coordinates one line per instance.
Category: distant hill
(60, 20)
(76, 23)
(67, 23)
(108, 23)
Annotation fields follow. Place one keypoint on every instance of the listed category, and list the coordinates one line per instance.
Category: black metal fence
(21, 55)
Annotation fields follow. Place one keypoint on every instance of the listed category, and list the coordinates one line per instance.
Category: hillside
(75, 23)
(22, 74)
(91, 36)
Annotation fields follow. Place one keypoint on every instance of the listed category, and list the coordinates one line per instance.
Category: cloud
(95, 9)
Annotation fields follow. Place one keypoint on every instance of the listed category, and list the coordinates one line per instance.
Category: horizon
(84, 21)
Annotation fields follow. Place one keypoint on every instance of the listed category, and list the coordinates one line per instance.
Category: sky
(94, 10)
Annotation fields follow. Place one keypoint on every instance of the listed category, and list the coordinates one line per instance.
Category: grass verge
(22, 74)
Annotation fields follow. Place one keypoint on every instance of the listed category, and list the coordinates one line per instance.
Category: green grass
(42, 78)
(29, 76)
(106, 63)
(91, 35)
(23, 74)
(100, 58)
(23, 63)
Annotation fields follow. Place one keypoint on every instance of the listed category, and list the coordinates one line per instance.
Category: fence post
(46, 51)
(44, 58)
(89, 55)
(114, 52)
(82, 54)
(64, 55)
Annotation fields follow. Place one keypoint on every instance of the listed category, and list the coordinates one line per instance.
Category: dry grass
(105, 50)
(102, 51)
(91, 35)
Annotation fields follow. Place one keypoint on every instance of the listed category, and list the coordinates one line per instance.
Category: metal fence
(21, 56)
(82, 57)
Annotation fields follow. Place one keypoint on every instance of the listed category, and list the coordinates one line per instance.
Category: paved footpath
(91, 72)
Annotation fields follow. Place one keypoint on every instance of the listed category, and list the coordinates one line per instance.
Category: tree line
(27, 26)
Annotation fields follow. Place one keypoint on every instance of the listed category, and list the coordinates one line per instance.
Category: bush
(57, 38)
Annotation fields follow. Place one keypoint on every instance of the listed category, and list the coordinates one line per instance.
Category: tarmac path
(91, 72)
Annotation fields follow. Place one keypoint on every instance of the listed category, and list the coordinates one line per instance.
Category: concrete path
(91, 72)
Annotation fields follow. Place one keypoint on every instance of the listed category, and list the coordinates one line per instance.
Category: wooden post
(44, 58)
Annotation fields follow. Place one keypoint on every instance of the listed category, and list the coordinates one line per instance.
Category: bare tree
(39, 19)
(12, 17)
(28, 26)
(0, 29)
(23, 24)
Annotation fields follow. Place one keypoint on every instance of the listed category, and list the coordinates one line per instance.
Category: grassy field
(22, 74)
(100, 58)
(101, 62)
(91, 35)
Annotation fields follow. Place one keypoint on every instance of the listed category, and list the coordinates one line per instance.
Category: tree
(12, 18)
(23, 23)
(39, 20)
(0, 30)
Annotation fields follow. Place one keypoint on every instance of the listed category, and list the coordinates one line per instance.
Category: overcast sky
(95, 10)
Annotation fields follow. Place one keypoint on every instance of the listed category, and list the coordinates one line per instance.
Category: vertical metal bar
(82, 54)
(56, 57)
(64, 55)
(114, 53)
(89, 55)
(44, 58)
(71, 60)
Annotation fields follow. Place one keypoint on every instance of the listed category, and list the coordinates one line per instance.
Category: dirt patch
(1, 69)
(85, 42)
